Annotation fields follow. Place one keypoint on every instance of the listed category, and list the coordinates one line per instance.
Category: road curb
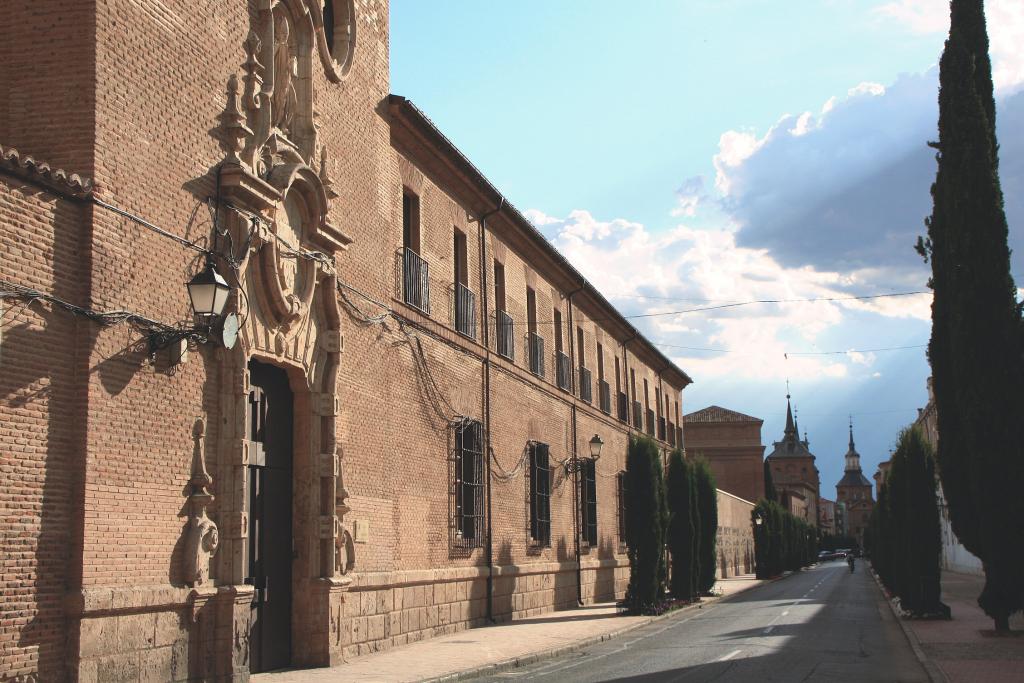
(934, 671)
(534, 657)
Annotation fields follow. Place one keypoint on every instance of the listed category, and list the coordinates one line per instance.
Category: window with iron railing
(467, 491)
(504, 335)
(679, 437)
(586, 385)
(638, 415)
(588, 502)
(536, 343)
(540, 495)
(623, 402)
(650, 422)
(465, 311)
(605, 396)
(671, 433)
(415, 280)
(562, 370)
(661, 428)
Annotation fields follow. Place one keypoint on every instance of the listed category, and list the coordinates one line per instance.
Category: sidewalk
(492, 648)
(964, 648)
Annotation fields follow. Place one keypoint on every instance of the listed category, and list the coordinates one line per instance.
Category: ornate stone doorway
(269, 495)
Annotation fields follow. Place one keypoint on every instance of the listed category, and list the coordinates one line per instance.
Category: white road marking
(786, 613)
(729, 656)
(769, 630)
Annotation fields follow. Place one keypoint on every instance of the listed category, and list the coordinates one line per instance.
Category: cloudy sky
(689, 155)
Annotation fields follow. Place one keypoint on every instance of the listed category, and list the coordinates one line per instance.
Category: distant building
(731, 442)
(794, 473)
(881, 475)
(841, 527)
(854, 490)
(955, 557)
(827, 516)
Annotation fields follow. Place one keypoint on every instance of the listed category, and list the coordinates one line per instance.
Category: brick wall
(41, 406)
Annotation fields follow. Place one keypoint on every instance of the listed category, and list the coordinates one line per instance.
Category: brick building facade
(731, 442)
(381, 457)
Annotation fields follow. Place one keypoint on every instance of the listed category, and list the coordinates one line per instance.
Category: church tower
(855, 492)
(794, 473)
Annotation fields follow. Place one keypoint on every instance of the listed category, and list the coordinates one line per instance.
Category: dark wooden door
(270, 516)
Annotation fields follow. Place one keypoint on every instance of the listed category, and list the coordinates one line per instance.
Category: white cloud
(734, 147)
(1004, 19)
(847, 190)
(687, 268)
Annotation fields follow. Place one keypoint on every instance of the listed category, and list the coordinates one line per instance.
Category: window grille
(536, 354)
(588, 501)
(586, 384)
(506, 338)
(415, 280)
(562, 371)
(540, 494)
(465, 311)
(468, 485)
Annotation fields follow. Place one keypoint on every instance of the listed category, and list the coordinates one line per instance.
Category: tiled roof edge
(28, 167)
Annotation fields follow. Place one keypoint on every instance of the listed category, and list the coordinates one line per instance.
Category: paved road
(823, 624)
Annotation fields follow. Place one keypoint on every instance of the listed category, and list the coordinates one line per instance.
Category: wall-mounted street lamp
(208, 291)
(208, 295)
(759, 519)
(575, 464)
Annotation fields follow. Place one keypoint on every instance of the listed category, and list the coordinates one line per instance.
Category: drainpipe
(576, 470)
(484, 316)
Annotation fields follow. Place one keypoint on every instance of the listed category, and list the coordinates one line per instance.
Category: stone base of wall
(383, 610)
(168, 634)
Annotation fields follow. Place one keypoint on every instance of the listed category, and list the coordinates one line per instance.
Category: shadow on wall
(504, 587)
(43, 371)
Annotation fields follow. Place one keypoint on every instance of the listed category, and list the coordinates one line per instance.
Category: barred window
(540, 494)
(588, 501)
(468, 485)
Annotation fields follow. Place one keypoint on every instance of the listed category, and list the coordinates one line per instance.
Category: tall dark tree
(921, 540)
(770, 494)
(975, 348)
(707, 503)
(646, 522)
(679, 490)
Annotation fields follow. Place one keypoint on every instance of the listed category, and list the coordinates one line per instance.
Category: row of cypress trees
(782, 541)
(679, 511)
(903, 534)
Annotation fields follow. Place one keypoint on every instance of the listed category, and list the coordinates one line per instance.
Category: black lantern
(208, 291)
(595, 447)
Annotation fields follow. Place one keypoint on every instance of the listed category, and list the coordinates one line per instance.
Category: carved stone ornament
(344, 549)
(202, 537)
(277, 101)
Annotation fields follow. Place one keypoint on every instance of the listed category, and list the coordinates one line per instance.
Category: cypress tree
(679, 491)
(697, 529)
(922, 541)
(645, 525)
(975, 348)
(707, 498)
(770, 494)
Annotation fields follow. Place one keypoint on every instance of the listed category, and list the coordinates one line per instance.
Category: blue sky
(705, 152)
